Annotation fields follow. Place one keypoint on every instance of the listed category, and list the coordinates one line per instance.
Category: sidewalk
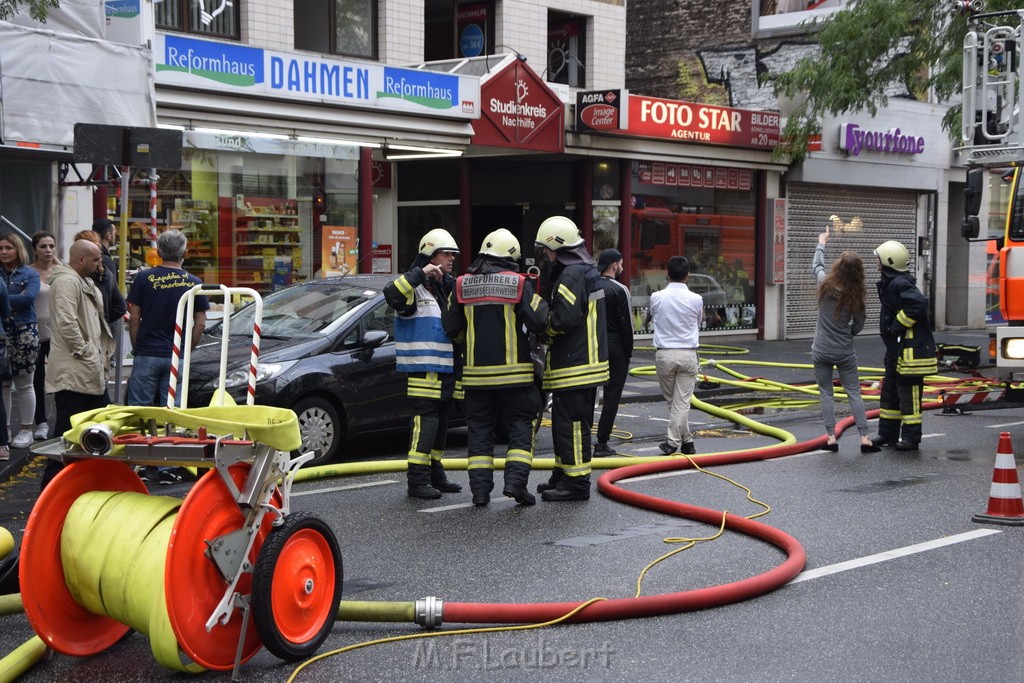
(870, 353)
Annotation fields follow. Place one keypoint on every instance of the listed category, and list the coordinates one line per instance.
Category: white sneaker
(42, 432)
(23, 439)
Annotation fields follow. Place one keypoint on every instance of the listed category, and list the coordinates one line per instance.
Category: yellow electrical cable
(439, 634)
(690, 542)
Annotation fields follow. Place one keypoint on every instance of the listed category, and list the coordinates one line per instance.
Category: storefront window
(214, 19)
(342, 27)
(264, 218)
(706, 214)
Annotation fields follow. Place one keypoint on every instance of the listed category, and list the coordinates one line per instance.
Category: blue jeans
(147, 385)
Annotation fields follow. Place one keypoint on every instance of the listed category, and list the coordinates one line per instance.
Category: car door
(376, 390)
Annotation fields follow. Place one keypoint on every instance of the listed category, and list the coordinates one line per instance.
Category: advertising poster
(339, 250)
(380, 259)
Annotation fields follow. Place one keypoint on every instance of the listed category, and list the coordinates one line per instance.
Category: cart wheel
(296, 586)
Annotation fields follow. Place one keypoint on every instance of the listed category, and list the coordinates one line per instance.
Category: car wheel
(320, 428)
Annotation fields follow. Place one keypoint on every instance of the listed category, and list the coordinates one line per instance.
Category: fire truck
(992, 144)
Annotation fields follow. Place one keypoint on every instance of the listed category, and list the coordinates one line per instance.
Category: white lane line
(1006, 424)
(892, 554)
(930, 436)
(626, 415)
(459, 506)
(347, 487)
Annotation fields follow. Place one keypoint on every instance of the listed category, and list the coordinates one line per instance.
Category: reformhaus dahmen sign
(241, 69)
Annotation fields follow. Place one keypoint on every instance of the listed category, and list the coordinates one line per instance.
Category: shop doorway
(522, 220)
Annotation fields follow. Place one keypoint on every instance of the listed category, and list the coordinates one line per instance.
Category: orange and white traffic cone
(1005, 505)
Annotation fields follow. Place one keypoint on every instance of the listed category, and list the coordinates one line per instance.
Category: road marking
(347, 487)
(892, 554)
(627, 415)
(931, 436)
(459, 506)
(1006, 424)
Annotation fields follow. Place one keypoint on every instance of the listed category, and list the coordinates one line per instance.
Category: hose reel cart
(209, 578)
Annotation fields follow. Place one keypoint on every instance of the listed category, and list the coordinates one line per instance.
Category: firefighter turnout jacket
(578, 350)
(904, 325)
(491, 312)
(423, 350)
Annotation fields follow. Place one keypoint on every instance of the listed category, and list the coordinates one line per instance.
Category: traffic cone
(1005, 505)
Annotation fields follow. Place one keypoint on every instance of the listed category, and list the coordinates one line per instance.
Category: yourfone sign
(519, 110)
(855, 140)
(702, 123)
(241, 69)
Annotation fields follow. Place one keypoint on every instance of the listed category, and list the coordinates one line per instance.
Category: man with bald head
(80, 342)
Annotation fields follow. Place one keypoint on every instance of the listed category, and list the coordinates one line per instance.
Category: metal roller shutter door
(885, 215)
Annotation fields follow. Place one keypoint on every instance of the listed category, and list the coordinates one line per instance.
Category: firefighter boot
(570, 488)
(419, 483)
(481, 481)
(438, 479)
(556, 477)
(516, 476)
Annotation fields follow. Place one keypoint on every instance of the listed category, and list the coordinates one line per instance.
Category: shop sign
(519, 111)
(776, 225)
(256, 144)
(854, 139)
(380, 258)
(692, 175)
(601, 110)
(241, 69)
(702, 123)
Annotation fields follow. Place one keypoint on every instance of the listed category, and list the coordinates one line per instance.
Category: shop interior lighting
(243, 133)
(169, 126)
(394, 152)
(338, 141)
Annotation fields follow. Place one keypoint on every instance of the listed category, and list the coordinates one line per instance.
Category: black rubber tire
(321, 429)
(263, 614)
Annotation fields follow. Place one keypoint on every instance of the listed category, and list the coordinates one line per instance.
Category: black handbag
(5, 360)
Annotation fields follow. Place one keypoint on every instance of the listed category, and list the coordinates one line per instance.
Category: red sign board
(654, 117)
(520, 111)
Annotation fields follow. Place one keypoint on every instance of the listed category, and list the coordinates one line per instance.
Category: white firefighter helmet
(437, 240)
(894, 255)
(557, 232)
(501, 243)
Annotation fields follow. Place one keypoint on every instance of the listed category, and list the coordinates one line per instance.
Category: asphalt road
(900, 584)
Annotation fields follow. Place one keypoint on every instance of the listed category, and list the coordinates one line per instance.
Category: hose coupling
(97, 439)
(429, 612)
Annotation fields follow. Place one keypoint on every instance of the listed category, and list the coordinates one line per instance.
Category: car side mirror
(374, 338)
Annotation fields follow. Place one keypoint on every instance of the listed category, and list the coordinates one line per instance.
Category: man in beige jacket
(81, 343)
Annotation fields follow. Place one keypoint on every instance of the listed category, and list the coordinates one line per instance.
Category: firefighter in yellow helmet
(490, 313)
(427, 355)
(909, 350)
(577, 361)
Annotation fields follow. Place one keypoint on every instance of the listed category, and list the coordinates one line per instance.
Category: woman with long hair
(44, 246)
(841, 314)
(22, 335)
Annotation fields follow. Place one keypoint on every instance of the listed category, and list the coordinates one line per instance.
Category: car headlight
(264, 371)
(1013, 349)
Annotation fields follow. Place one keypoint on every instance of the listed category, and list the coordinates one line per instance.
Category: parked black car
(327, 352)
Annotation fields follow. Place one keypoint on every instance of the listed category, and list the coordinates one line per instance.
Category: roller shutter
(885, 215)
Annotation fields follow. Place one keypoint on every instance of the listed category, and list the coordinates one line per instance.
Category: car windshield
(302, 311)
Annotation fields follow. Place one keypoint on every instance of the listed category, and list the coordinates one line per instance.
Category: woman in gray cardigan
(841, 313)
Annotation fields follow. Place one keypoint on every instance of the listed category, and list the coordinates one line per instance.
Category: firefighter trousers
(518, 407)
(899, 400)
(429, 429)
(572, 418)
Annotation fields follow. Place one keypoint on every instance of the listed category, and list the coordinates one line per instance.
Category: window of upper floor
(457, 28)
(337, 27)
(790, 17)
(567, 49)
(212, 18)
